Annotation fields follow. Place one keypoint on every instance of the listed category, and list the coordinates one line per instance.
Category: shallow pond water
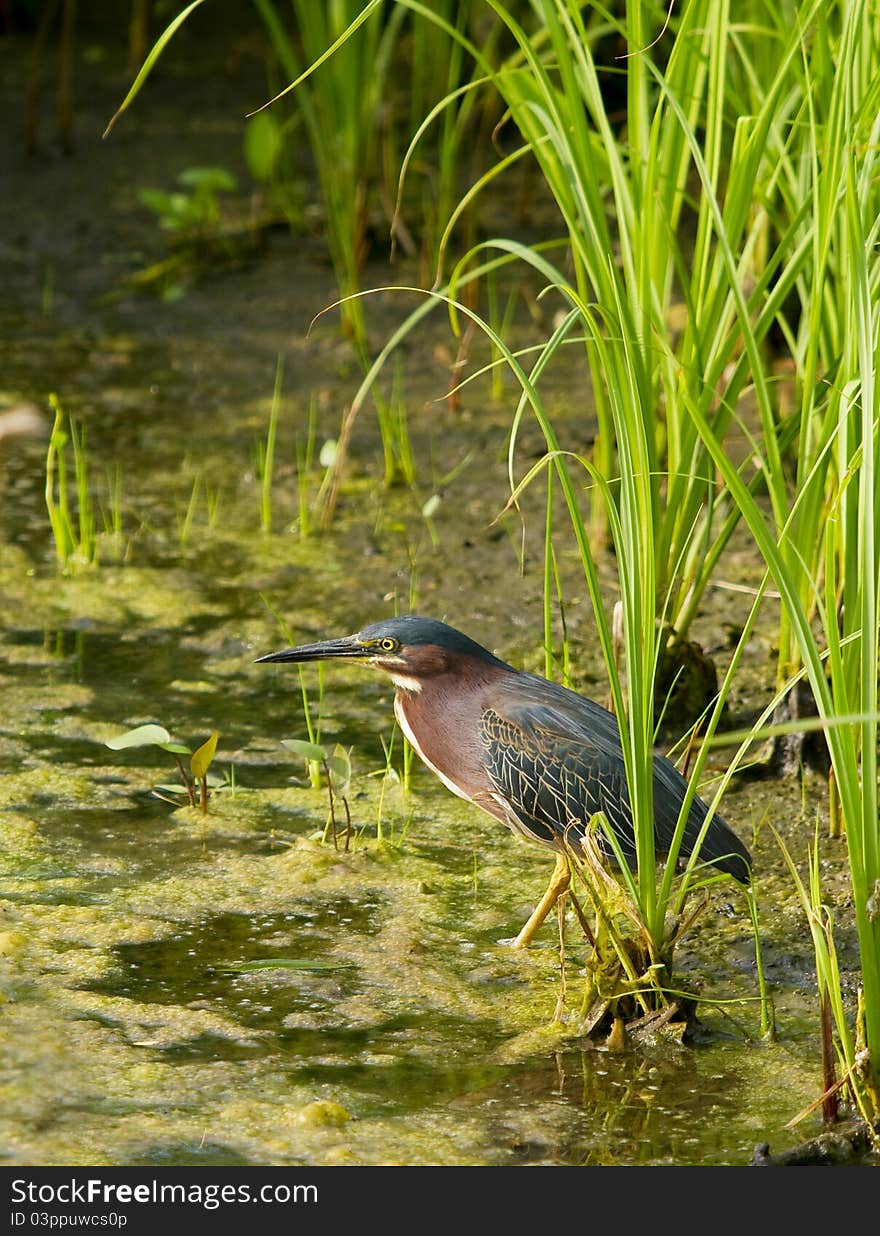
(228, 988)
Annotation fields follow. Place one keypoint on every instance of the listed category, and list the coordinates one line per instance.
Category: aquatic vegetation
(393, 780)
(201, 491)
(201, 237)
(74, 508)
(345, 63)
(195, 206)
(75, 537)
(85, 514)
(400, 468)
(340, 103)
(265, 451)
(194, 785)
(336, 764)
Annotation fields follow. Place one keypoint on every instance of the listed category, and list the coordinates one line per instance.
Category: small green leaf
(141, 736)
(202, 756)
(182, 211)
(340, 768)
(176, 748)
(308, 750)
(207, 178)
(262, 145)
(156, 200)
(339, 764)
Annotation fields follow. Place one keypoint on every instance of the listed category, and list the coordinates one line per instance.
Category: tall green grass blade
(267, 455)
(148, 65)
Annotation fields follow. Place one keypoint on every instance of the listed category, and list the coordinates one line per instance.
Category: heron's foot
(559, 883)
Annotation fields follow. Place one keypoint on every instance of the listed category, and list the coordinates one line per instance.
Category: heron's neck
(446, 693)
(440, 716)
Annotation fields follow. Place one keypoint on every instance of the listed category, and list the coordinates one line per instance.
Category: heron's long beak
(324, 650)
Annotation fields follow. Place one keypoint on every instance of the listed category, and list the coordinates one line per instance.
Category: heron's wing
(720, 846)
(553, 782)
(557, 759)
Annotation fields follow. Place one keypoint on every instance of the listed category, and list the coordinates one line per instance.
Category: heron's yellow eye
(387, 645)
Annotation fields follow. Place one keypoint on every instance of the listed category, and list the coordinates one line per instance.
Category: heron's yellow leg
(559, 882)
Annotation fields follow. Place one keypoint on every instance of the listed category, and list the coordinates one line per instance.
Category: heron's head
(410, 649)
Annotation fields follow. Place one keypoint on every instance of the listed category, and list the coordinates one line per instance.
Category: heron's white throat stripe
(405, 683)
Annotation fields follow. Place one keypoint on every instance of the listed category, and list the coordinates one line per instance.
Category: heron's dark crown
(411, 630)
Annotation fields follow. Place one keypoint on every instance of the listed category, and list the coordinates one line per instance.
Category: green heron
(537, 756)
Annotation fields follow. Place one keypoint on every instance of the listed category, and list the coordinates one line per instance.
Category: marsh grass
(305, 462)
(340, 100)
(201, 503)
(393, 783)
(398, 461)
(111, 510)
(820, 921)
(265, 451)
(822, 548)
(74, 533)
